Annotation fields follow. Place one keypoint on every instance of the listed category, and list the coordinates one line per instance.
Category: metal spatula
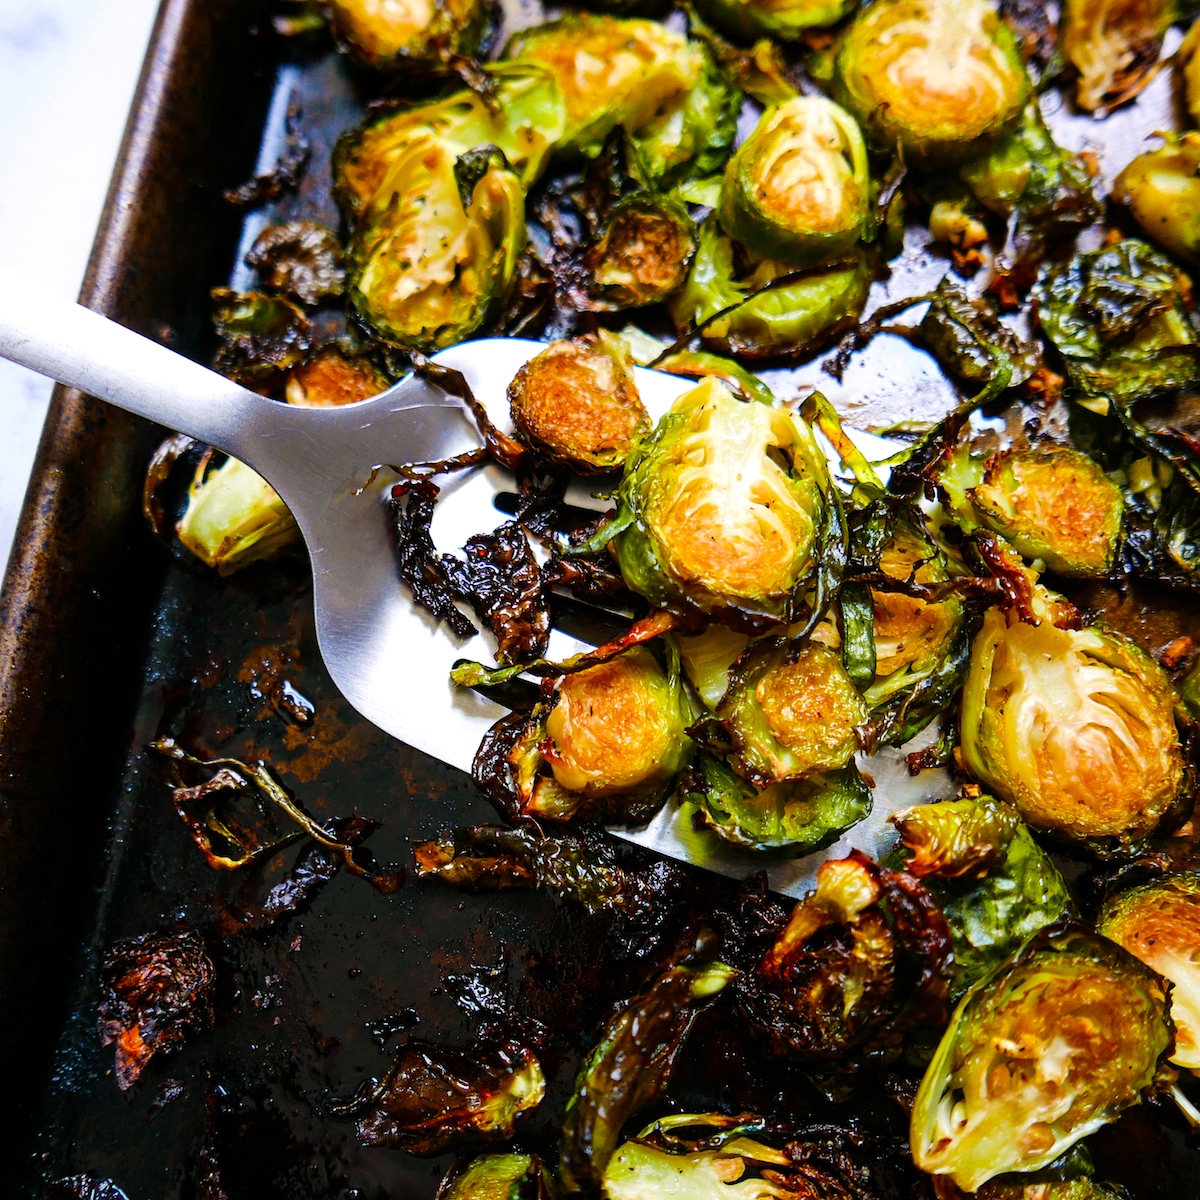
(389, 658)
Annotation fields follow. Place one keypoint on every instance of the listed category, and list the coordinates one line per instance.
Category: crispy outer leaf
(301, 259)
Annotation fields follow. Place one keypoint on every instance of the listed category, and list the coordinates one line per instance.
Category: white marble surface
(68, 69)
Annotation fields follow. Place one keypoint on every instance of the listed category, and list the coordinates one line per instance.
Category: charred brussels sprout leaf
(995, 885)
(576, 403)
(1114, 47)
(301, 259)
(643, 253)
(386, 35)
(1162, 191)
(261, 335)
(1076, 727)
(791, 712)
(1038, 1055)
(630, 1067)
(937, 78)
(799, 188)
(795, 817)
(698, 363)
(496, 1177)
(722, 507)
(1066, 1189)
(1159, 923)
(763, 309)
(429, 266)
(664, 91)
(787, 19)
(433, 1098)
(863, 960)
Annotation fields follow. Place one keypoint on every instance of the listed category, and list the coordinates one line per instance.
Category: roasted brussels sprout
(613, 741)
(1114, 46)
(234, 518)
(577, 403)
(994, 883)
(749, 314)
(388, 33)
(1159, 922)
(261, 336)
(329, 378)
(799, 188)
(674, 104)
(937, 78)
(496, 1177)
(1162, 191)
(644, 251)
(1053, 504)
(722, 507)
(787, 19)
(1076, 727)
(1038, 1055)
(436, 197)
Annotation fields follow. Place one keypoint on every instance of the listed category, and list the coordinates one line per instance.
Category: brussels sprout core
(577, 403)
(939, 78)
(1076, 727)
(1038, 1055)
(727, 496)
(1159, 922)
(798, 188)
(1162, 189)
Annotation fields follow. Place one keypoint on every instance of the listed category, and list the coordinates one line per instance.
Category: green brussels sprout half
(612, 743)
(747, 314)
(577, 403)
(937, 78)
(1159, 923)
(234, 518)
(1162, 191)
(388, 33)
(1113, 46)
(667, 94)
(1076, 727)
(1187, 69)
(1056, 505)
(995, 885)
(722, 507)
(786, 19)
(496, 1177)
(799, 187)
(644, 251)
(1039, 1054)
(795, 817)
(791, 712)
(436, 197)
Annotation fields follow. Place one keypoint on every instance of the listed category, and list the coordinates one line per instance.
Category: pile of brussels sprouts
(795, 606)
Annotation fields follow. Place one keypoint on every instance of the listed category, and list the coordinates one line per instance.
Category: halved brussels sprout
(939, 79)
(799, 187)
(644, 252)
(1041, 1053)
(787, 19)
(663, 90)
(764, 319)
(1076, 727)
(329, 378)
(437, 200)
(388, 33)
(496, 1177)
(721, 507)
(790, 712)
(1056, 505)
(577, 403)
(1162, 191)
(1114, 46)
(1159, 922)
(613, 741)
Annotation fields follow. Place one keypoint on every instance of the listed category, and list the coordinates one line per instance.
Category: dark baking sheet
(106, 643)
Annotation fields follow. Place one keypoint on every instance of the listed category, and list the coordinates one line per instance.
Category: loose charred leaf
(956, 839)
(158, 992)
(631, 1065)
(284, 174)
(315, 866)
(577, 864)
(199, 806)
(433, 1098)
(863, 961)
(417, 562)
(499, 577)
(162, 463)
(262, 336)
(597, 580)
(301, 259)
